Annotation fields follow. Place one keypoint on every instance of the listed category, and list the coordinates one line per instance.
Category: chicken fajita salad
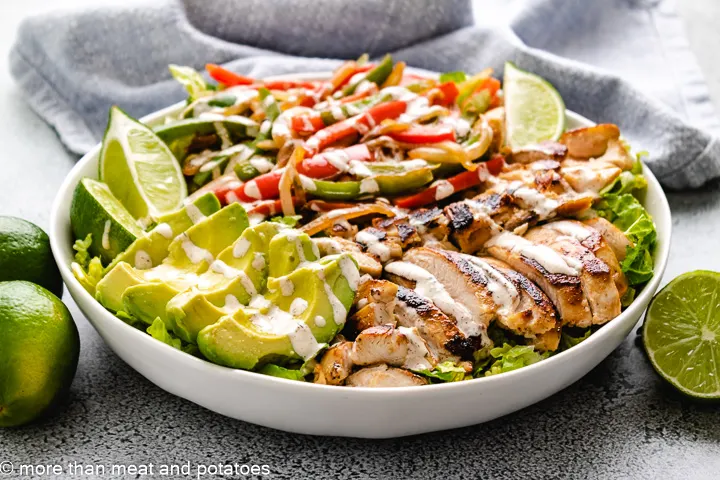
(372, 228)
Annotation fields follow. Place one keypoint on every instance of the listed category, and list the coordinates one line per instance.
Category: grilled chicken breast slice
(440, 332)
(335, 365)
(384, 376)
(596, 278)
(378, 243)
(612, 235)
(557, 276)
(593, 240)
(375, 303)
(331, 245)
(533, 315)
(543, 151)
(443, 279)
(589, 176)
(399, 347)
(589, 142)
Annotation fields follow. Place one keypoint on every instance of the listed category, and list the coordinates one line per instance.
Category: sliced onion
(326, 220)
(478, 149)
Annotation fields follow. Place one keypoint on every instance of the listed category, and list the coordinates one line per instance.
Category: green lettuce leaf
(620, 204)
(82, 257)
(445, 372)
(508, 358)
(159, 332)
(455, 77)
(88, 271)
(572, 336)
(282, 372)
(192, 80)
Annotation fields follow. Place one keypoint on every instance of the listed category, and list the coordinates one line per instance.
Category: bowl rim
(60, 221)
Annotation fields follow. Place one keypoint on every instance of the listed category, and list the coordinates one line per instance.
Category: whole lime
(25, 255)
(39, 348)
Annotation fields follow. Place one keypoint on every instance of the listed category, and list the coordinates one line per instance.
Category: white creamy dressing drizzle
(231, 197)
(460, 125)
(373, 245)
(417, 350)
(106, 236)
(241, 247)
(194, 253)
(142, 260)
(416, 108)
(223, 134)
(287, 287)
(282, 323)
(545, 207)
(426, 285)
(252, 190)
(265, 126)
(165, 230)
(369, 185)
(502, 290)
(339, 311)
(194, 213)
(548, 258)
(261, 164)
(281, 125)
(298, 306)
(231, 303)
(350, 272)
(229, 272)
(443, 189)
(320, 321)
(255, 218)
(571, 229)
(259, 302)
(258, 262)
(308, 184)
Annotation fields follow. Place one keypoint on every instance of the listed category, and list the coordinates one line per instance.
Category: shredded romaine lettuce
(619, 204)
(445, 372)
(159, 332)
(508, 358)
(572, 336)
(282, 372)
(455, 77)
(87, 270)
(191, 79)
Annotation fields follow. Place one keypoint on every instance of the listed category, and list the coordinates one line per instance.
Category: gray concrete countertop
(620, 421)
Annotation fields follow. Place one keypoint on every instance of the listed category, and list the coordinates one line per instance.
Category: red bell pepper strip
(449, 93)
(286, 85)
(270, 207)
(306, 124)
(424, 134)
(319, 167)
(263, 187)
(226, 77)
(459, 182)
(358, 124)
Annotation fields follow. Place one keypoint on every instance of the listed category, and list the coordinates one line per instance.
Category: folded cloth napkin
(72, 66)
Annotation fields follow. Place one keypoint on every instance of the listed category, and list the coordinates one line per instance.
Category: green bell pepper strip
(377, 75)
(390, 179)
(179, 135)
(245, 170)
(205, 174)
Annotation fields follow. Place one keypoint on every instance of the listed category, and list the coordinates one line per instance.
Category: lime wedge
(682, 333)
(534, 110)
(139, 168)
(95, 210)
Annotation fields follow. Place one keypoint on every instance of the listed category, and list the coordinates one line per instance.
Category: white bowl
(353, 412)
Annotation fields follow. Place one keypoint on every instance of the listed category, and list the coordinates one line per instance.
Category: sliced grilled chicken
(433, 276)
(543, 151)
(399, 347)
(589, 142)
(336, 364)
(557, 275)
(533, 315)
(548, 341)
(474, 222)
(443, 338)
(593, 240)
(384, 376)
(596, 278)
(589, 176)
(377, 242)
(367, 263)
(375, 303)
(612, 235)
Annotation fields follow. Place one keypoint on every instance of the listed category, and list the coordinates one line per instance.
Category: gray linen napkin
(72, 66)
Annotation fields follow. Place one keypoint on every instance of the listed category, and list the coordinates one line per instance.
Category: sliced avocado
(190, 254)
(321, 295)
(288, 250)
(196, 248)
(109, 290)
(156, 242)
(190, 312)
